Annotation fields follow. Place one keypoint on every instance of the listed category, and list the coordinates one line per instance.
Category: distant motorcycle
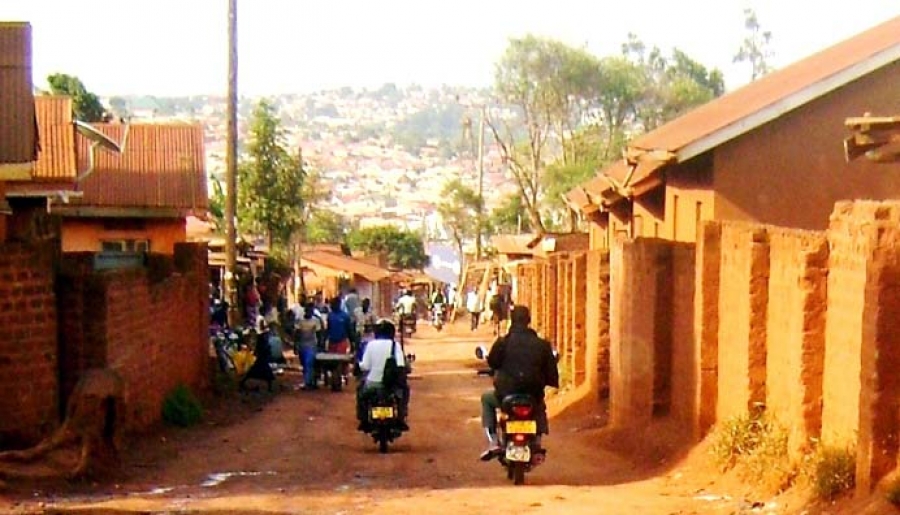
(437, 316)
(517, 431)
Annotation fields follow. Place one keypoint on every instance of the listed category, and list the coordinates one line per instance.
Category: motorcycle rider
(522, 362)
(372, 365)
(437, 304)
(406, 308)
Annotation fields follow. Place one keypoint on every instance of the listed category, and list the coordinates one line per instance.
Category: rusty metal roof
(346, 264)
(18, 128)
(56, 160)
(758, 102)
(162, 166)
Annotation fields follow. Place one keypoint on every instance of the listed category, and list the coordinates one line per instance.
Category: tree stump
(92, 427)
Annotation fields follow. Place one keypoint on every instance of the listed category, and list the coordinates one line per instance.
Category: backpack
(392, 371)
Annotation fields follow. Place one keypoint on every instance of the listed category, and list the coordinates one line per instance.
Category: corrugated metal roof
(512, 243)
(56, 159)
(770, 89)
(162, 166)
(18, 128)
(733, 113)
(346, 264)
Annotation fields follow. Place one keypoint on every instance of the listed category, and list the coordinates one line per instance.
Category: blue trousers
(307, 357)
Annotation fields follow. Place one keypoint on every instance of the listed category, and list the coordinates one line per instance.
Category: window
(125, 246)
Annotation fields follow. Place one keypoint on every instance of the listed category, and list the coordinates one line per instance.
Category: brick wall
(743, 299)
(29, 371)
(795, 346)
(683, 350)
(860, 383)
(706, 326)
(148, 324)
(597, 320)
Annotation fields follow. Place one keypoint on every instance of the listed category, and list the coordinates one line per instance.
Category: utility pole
(480, 218)
(231, 168)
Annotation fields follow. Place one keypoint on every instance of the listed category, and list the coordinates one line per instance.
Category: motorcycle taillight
(521, 411)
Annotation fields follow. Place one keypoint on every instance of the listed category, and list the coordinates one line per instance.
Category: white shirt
(377, 352)
(472, 302)
(407, 304)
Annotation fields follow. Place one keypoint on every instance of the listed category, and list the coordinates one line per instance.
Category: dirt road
(298, 452)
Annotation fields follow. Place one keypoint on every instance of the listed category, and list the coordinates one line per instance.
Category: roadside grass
(756, 447)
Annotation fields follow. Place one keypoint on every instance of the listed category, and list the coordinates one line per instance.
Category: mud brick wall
(148, 324)
(861, 384)
(706, 326)
(683, 371)
(637, 269)
(795, 347)
(597, 322)
(579, 317)
(743, 301)
(551, 294)
(29, 371)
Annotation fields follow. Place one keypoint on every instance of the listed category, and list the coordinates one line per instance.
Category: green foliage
(443, 123)
(405, 249)
(509, 217)
(768, 464)
(893, 492)
(217, 205)
(460, 211)
(270, 181)
(86, 104)
(737, 437)
(832, 471)
(325, 226)
(755, 49)
(181, 408)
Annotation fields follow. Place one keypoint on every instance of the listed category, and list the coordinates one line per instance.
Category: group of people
(499, 305)
(339, 326)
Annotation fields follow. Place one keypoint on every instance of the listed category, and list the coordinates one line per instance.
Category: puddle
(220, 477)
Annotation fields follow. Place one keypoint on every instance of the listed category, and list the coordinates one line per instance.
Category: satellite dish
(96, 137)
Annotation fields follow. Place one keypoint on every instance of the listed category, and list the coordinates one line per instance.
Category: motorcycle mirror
(480, 352)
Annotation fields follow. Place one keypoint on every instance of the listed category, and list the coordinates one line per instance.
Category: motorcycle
(437, 316)
(516, 431)
(383, 418)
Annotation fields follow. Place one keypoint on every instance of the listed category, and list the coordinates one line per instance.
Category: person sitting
(406, 309)
(522, 362)
(377, 352)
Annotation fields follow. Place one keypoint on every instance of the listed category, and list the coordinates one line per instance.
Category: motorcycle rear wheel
(518, 470)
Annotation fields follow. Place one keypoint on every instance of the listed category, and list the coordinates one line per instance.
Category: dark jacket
(523, 363)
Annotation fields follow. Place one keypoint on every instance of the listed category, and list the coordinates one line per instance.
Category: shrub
(893, 492)
(181, 408)
(768, 464)
(833, 471)
(736, 437)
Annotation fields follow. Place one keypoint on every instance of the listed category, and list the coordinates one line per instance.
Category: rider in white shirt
(372, 364)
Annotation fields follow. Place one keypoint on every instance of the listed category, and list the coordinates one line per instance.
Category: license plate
(518, 453)
(382, 412)
(527, 427)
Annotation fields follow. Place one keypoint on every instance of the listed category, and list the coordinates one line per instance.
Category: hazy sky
(167, 47)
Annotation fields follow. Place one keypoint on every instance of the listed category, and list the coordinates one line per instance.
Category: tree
(405, 249)
(271, 183)
(217, 205)
(459, 211)
(507, 217)
(325, 226)
(548, 85)
(755, 49)
(86, 104)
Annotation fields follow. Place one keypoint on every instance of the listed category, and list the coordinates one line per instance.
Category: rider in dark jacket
(522, 362)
